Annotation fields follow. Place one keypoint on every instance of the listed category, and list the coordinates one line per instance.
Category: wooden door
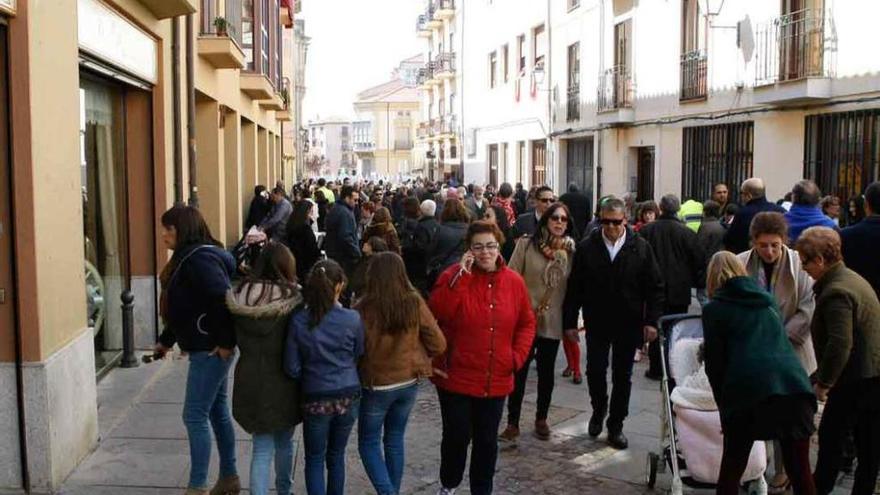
(7, 254)
(645, 174)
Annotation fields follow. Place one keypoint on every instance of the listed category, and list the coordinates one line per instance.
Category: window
(574, 81)
(264, 37)
(842, 151)
(493, 69)
(276, 9)
(402, 138)
(521, 53)
(693, 68)
(247, 32)
(505, 53)
(539, 42)
(713, 154)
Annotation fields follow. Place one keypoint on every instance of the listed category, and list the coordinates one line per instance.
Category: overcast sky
(355, 45)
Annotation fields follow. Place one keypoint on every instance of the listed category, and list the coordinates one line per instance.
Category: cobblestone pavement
(143, 448)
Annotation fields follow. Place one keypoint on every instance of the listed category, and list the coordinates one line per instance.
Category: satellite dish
(746, 39)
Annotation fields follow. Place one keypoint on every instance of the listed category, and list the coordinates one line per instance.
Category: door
(579, 165)
(645, 174)
(7, 256)
(493, 164)
(539, 163)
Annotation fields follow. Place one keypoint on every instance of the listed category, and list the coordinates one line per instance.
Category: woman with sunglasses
(485, 312)
(544, 261)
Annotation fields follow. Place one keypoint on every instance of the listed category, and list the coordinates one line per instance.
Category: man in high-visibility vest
(691, 214)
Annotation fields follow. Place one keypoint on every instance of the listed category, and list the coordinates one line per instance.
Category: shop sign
(105, 34)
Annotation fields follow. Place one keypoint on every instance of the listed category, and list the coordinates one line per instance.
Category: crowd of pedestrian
(343, 296)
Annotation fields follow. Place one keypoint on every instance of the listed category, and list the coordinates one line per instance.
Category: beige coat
(792, 288)
(531, 263)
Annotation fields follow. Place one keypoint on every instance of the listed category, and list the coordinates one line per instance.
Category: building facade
(658, 97)
(330, 148)
(386, 125)
(294, 134)
(132, 106)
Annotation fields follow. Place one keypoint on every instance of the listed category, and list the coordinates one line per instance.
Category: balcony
(218, 31)
(694, 84)
(615, 97)
(444, 9)
(423, 131)
(424, 78)
(364, 147)
(573, 107)
(256, 86)
(274, 102)
(283, 115)
(445, 65)
(434, 22)
(447, 127)
(795, 58)
(163, 9)
(422, 27)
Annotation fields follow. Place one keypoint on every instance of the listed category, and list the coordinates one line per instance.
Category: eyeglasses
(609, 221)
(559, 218)
(546, 200)
(478, 248)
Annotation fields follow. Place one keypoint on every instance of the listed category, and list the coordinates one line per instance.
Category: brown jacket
(390, 359)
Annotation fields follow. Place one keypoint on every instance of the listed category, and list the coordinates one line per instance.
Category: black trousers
(850, 405)
(469, 420)
(795, 454)
(599, 345)
(654, 347)
(544, 351)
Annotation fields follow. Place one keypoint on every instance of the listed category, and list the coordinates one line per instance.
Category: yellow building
(385, 128)
(111, 111)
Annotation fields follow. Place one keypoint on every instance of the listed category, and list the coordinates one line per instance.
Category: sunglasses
(546, 200)
(559, 218)
(608, 221)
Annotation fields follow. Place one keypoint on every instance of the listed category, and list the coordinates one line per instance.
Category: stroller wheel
(653, 462)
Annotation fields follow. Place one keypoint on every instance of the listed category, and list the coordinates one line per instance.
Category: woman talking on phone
(484, 310)
(193, 307)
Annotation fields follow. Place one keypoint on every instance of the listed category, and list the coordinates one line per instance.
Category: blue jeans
(279, 443)
(325, 438)
(207, 401)
(390, 409)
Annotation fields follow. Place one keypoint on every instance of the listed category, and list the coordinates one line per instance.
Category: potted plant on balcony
(221, 26)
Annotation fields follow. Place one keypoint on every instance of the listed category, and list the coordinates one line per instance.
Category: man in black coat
(616, 281)
(341, 243)
(527, 223)
(861, 241)
(754, 200)
(682, 263)
(579, 206)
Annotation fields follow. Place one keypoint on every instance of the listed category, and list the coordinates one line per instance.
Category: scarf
(507, 205)
(557, 250)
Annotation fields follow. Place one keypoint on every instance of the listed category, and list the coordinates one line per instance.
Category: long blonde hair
(723, 266)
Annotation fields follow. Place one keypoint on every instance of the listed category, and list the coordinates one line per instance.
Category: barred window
(713, 154)
(842, 151)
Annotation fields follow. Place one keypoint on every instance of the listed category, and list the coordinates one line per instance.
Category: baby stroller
(699, 428)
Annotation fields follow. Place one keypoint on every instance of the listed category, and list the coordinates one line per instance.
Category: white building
(295, 133)
(673, 96)
(330, 148)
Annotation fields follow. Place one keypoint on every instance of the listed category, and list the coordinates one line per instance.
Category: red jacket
(489, 326)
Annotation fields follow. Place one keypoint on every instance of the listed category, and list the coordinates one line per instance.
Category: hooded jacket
(747, 353)
(489, 326)
(802, 217)
(196, 316)
(264, 398)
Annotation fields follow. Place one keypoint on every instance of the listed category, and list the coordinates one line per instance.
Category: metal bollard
(128, 358)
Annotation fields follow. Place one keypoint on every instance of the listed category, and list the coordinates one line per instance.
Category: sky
(355, 44)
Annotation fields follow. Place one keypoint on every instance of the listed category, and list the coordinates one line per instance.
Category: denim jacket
(324, 358)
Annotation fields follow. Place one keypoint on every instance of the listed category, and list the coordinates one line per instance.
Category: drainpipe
(550, 97)
(175, 99)
(191, 111)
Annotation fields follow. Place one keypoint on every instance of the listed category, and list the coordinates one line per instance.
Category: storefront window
(104, 212)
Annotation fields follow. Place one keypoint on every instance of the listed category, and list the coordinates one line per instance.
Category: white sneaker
(446, 491)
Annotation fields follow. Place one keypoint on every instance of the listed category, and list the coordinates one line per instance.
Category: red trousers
(572, 355)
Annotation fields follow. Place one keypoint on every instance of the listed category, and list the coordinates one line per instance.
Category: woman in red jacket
(484, 310)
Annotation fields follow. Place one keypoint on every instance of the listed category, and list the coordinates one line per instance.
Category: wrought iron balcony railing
(795, 46)
(445, 63)
(694, 83)
(615, 89)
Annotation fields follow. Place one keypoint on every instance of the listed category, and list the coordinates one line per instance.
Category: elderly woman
(762, 391)
(846, 331)
(778, 270)
(484, 310)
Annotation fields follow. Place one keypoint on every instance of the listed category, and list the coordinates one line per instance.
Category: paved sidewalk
(143, 447)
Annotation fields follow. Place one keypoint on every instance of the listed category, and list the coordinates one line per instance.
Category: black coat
(682, 261)
(618, 298)
(520, 201)
(579, 206)
(525, 224)
(304, 246)
(341, 242)
(423, 238)
(258, 210)
(860, 252)
(736, 239)
(711, 236)
(448, 246)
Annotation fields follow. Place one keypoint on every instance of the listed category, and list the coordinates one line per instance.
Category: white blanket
(694, 392)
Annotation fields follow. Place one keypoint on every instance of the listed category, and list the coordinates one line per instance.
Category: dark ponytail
(320, 289)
